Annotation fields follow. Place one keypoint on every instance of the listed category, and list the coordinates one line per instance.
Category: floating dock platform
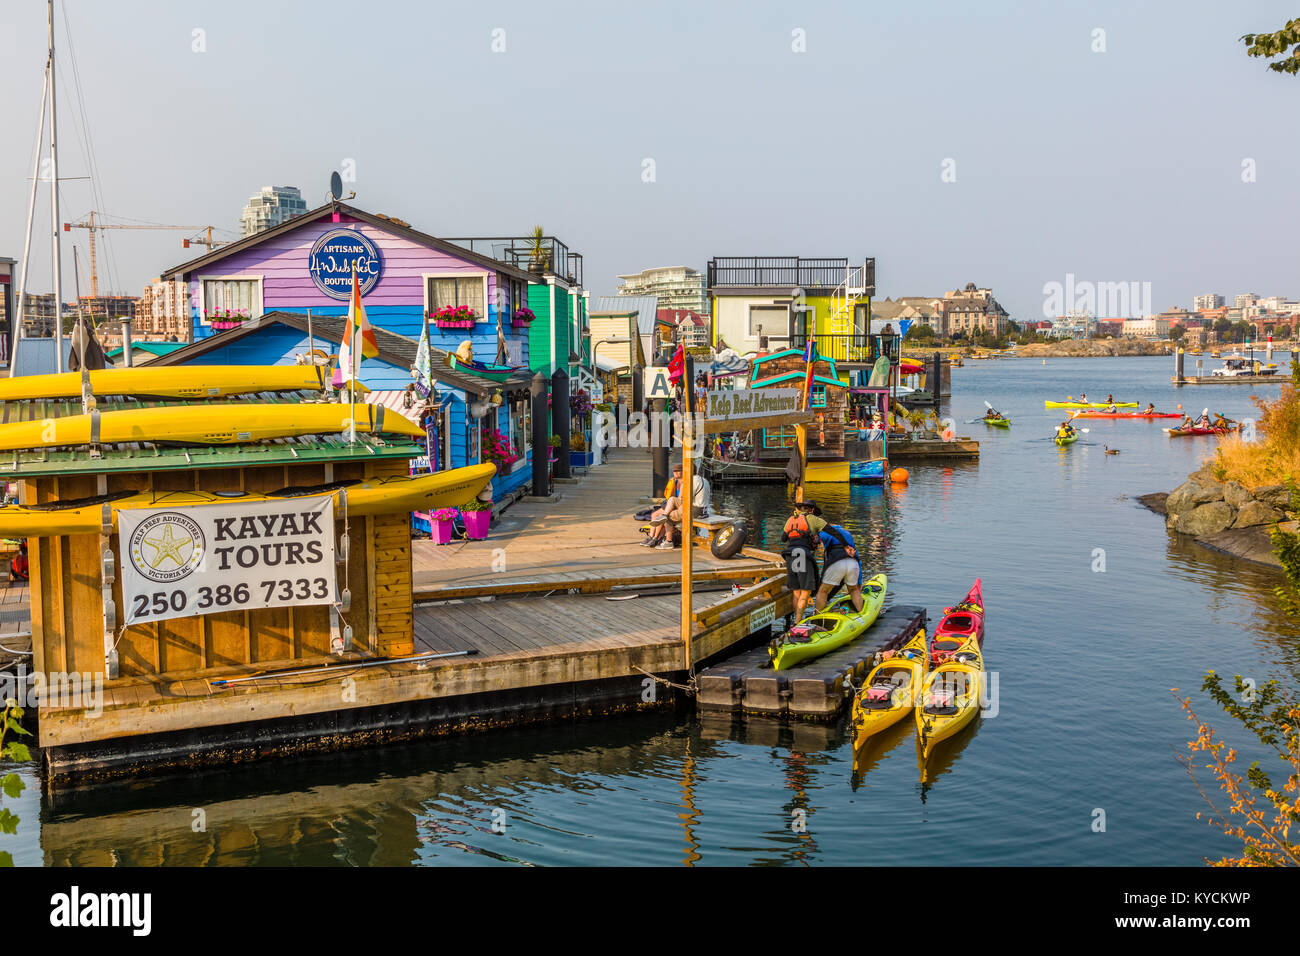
(924, 449)
(1231, 380)
(813, 690)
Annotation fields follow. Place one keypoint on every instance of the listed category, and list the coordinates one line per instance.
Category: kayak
(961, 624)
(1184, 432)
(373, 496)
(186, 381)
(1067, 439)
(950, 697)
(998, 422)
(206, 424)
(1090, 404)
(830, 630)
(1127, 415)
(891, 689)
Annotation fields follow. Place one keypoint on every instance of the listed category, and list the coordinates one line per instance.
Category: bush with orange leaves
(1259, 812)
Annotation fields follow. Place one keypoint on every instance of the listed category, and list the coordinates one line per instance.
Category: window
(772, 319)
(470, 290)
(520, 430)
(782, 437)
(231, 296)
(818, 397)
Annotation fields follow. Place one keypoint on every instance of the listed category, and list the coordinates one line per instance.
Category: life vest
(841, 548)
(799, 534)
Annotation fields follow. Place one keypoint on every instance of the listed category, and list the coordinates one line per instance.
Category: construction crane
(199, 241)
(92, 227)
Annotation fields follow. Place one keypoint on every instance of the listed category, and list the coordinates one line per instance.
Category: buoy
(899, 476)
(948, 434)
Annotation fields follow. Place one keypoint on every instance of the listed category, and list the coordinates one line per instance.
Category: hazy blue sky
(1122, 165)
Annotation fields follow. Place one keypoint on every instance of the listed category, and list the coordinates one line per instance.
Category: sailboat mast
(54, 206)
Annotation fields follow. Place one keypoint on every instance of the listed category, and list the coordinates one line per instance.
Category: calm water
(1085, 664)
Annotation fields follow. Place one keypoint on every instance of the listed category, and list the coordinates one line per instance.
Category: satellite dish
(336, 186)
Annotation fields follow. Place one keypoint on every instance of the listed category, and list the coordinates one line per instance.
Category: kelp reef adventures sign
(730, 410)
(331, 259)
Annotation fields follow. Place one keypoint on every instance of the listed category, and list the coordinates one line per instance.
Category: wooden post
(801, 443)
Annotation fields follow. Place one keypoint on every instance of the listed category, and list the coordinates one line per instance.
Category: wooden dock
(923, 449)
(1230, 380)
(814, 689)
(529, 648)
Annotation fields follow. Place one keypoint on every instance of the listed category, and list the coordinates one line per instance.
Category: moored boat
(960, 624)
(952, 690)
(488, 370)
(891, 689)
(830, 630)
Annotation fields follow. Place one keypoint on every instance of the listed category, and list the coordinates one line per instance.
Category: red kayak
(1128, 415)
(1197, 430)
(959, 624)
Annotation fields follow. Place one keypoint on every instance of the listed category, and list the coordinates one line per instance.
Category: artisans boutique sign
(200, 559)
(331, 259)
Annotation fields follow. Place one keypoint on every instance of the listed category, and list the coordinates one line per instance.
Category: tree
(1177, 333)
(1270, 45)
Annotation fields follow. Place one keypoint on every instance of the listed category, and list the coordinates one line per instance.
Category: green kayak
(1068, 439)
(831, 629)
(998, 422)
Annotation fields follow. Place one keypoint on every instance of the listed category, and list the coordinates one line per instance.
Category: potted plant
(441, 525)
(454, 317)
(477, 515)
(523, 317)
(554, 443)
(226, 318)
(496, 449)
(539, 251)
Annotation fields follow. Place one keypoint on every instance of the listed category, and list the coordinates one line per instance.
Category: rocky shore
(1092, 348)
(1225, 516)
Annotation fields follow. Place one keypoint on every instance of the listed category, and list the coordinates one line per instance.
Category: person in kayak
(1150, 409)
(843, 566)
(1111, 409)
(1064, 430)
(801, 536)
(1222, 423)
(992, 415)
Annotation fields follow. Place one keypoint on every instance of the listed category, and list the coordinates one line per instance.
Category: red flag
(677, 364)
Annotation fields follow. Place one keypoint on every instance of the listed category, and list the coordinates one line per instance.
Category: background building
(7, 305)
(676, 287)
(920, 309)
(1209, 301)
(1244, 299)
(272, 206)
(163, 312)
(973, 310)
(1151, 327)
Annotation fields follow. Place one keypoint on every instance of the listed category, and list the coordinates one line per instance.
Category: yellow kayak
(891, 689)
(950, 696)
(374, 496)
(174, 381)
(1090, 404)
(206, 424)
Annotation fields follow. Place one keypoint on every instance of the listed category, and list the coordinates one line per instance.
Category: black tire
(728, 541)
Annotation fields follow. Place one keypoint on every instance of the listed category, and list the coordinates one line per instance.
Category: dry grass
(1274, 456)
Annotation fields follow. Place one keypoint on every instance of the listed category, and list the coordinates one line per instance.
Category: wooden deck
(535, 650)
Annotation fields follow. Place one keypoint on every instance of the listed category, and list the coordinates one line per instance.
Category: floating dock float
(814, 690)
(922, 449)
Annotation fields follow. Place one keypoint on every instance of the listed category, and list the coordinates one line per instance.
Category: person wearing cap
(801, 538)
(659, 517)
(701, 497)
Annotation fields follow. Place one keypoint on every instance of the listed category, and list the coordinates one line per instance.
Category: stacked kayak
(951, 692)
(1069, 439)
(373, 496)
(830, 630)
(1126, 415)
(891, 690)
(182, 381)
(1090, 404)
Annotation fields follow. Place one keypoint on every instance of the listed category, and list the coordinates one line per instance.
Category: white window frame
(487, 302)
(260, 280)
(767, 307)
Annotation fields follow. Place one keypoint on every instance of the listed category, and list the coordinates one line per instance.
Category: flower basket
(454, 317)
(226, 318)
(522, 318)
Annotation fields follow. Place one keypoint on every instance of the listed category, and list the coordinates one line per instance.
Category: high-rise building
(678, 287)
(1209, 301)
(1243, 300)
(163, 312)
(270, 207)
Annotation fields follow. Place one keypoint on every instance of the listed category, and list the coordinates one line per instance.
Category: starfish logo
(167, 546)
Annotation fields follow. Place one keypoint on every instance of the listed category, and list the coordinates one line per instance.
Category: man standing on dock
(843, 566)
(801, 538)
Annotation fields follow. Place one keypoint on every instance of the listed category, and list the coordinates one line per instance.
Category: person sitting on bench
(700, 499)
(659, 525)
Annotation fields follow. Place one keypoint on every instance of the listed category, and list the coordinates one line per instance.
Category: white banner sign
(747, 403)
(657, 383)
(201, 559)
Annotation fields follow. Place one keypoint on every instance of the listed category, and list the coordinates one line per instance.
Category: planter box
(454, 325)
(442, 532)
(581, 459)
(225, 324)
(476, 524)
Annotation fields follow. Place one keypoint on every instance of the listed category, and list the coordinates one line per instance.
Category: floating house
(273, 296)
(840, 447)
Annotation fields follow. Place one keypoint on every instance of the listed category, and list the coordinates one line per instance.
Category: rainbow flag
(809, 357)
(358, 337)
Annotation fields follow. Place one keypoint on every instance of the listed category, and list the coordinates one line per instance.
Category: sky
(1004, 143)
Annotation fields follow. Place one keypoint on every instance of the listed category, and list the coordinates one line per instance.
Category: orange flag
(356, 333)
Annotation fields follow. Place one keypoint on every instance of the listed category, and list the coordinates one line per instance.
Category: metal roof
(646, 308)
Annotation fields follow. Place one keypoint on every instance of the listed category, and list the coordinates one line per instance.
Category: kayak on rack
(182, 381)
(891, 690)
(1090, 404)
(831, 629)
(372, 496)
